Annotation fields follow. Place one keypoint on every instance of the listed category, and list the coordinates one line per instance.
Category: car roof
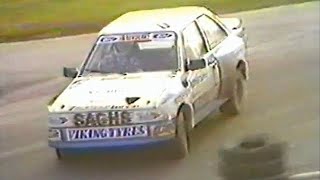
(165, 19)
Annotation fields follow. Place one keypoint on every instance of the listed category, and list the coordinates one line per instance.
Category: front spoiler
(110, 146)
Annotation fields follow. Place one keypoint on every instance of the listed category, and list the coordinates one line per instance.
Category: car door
(224, 46)
(201, 80)
(212, 38)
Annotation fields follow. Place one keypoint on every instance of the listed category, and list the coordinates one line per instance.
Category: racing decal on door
(197, 80)
(198, 85)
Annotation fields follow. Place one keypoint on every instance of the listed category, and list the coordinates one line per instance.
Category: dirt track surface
(283, 100)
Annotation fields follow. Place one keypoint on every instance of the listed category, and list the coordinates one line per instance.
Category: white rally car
(150, 78)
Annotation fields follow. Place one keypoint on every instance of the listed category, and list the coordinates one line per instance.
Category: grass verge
(35, 19)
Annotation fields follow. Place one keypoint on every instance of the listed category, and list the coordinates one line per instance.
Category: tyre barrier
(257, 157)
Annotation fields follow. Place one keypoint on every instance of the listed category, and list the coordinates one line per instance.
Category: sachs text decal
(102, 118)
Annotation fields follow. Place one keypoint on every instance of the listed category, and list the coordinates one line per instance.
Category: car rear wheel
(234, 105)
(180, 147)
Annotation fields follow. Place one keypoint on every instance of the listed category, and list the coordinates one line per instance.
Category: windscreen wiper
(93, 71)
(174, 71)
(104, 72)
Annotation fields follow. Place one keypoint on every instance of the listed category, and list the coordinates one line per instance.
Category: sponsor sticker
(198, 79)
(102, 118)
(109, 39)
(139, 37)
(85, 134)
(163, 35)
(136, 37)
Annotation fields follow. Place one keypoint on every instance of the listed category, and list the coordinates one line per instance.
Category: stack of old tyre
(257, 157)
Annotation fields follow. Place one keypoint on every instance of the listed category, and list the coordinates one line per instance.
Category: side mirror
(196, 64)
(70, 72)
(232, 23)
(236, 26)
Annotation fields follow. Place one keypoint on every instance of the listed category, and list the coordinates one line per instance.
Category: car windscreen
(136, 52)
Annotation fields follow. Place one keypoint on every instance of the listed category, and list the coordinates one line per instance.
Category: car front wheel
(180, 146)
(58, 154)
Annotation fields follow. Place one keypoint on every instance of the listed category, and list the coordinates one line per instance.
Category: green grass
(33, 19)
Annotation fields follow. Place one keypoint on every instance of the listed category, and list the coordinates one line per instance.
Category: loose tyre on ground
(255, 157)
(255, 149)
(248, 171)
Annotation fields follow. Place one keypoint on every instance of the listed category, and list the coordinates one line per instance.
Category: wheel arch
(228, 73)
(187, 111)
(243, 66)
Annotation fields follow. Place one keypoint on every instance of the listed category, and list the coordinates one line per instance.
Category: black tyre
(233, 106)
(248, 171)
(253, 149)
(58, 154)
(180, 145)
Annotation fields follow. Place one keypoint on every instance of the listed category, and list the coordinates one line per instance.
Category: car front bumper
(159, 133)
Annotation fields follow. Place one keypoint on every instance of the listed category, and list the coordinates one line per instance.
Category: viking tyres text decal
(75, 134)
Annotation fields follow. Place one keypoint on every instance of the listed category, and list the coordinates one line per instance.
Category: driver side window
(214, 33)
(193, 42)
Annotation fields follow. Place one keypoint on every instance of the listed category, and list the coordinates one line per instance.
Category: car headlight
(54, 135)
(140, 116)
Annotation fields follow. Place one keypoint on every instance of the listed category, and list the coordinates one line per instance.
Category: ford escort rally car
(150, 77)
